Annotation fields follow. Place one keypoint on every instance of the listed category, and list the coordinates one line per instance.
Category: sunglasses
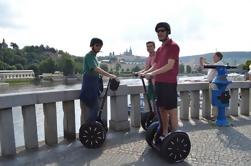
(161, 30)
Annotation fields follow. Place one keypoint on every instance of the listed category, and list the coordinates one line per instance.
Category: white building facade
(16, 74)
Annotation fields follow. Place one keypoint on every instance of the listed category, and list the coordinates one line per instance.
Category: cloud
(5, 15)
(197, 26)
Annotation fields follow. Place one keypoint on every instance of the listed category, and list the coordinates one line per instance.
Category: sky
(198, 26)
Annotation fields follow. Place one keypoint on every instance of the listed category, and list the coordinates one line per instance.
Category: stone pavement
(211, 145)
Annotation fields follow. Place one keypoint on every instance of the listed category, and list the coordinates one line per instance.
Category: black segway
(174, 147)
(147, 118)
(93, 134)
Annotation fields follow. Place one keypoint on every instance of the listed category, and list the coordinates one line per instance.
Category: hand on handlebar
(148, 76)
(112, 76)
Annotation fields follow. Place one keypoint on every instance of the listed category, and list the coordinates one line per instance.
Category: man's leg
(94, 111)
(165, 120)
(89, 113)
(173, 118)
(84, 112)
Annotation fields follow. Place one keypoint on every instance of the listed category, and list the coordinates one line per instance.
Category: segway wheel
(92, 135)
(150, 132)
(147, 118)
(176, 147)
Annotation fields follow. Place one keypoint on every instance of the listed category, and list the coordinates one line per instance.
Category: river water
(17, 113)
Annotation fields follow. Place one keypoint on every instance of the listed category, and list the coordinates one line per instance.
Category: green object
(150, 91)
(90, 63)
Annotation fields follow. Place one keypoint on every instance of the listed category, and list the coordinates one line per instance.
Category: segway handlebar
(137, 75)
(218, 66)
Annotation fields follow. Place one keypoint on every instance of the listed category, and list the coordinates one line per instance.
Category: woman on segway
(91, 84)
(92, 132)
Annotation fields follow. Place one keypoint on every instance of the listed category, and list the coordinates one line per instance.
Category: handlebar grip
(217, 66)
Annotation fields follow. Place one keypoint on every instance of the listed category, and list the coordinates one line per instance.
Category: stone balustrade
(194, 102)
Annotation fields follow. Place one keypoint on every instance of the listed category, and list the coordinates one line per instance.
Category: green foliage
(65, 64)
(68, 68)
(181, 68)
(135, 69)
(35, 68)
(246, 65)
(40, 59)
(189, 69)
(118, 66)
(19, 66)
(47, 66)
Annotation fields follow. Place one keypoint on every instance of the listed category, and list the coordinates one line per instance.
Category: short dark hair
(96, 41)
(219, 54)
(163, 25)
(150, 42)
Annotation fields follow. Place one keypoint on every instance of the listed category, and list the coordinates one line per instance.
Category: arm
(102, 72)
(163, 69)
(149, 70)
(203, 61)
(147, 66)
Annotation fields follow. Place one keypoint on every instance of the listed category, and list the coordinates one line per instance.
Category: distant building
(57, 76)
(3, 44)
(127, 61)
(16, 74)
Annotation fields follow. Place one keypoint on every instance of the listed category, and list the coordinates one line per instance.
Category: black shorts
(166, 94)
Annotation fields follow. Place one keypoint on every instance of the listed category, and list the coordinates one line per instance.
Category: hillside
(232, 58)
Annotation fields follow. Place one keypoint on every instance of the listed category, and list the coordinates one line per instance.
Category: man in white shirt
(249, 73)
(217, 57)
(211, 74)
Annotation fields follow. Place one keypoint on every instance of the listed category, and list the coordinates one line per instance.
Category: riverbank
(3, 84)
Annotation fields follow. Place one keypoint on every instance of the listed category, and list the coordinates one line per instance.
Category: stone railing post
(135, 110)
(8, 145)
(184, 105)
(50, 123)
(30, 126)
(245, 101)
(119, 109)
(195, 104)
(206, 105)
(234, 102)
(69, 120)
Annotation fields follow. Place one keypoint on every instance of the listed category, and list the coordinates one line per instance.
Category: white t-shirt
(249, 72)
(211, 73)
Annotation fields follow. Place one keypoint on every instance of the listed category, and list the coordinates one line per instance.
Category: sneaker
(158, 139)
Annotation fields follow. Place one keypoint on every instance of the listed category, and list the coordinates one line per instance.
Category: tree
(181, 68)
(118, 66)
(3, 66)
(19, 66)
(35, 69)
(68, 68)
(135, 69)
(188, 69)
(246, 65)
(14, 45)
(47, 66)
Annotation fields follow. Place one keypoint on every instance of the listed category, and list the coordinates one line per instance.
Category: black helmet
(114, 84)
(163, 25)
(96, 41)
